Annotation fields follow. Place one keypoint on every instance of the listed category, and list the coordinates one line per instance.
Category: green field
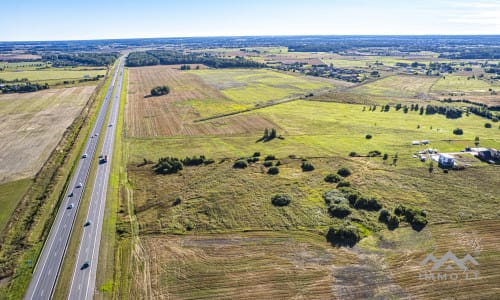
(455, 83)
(398, 86)
(51, 74)
(10, 193)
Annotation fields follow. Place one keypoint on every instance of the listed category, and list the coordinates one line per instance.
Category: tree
(476, 141)
(386, 156)
(281, 200)
(344, 172)
(431, 167)
(160, 90)
(458, 131)
(395, 159)
(421, 110)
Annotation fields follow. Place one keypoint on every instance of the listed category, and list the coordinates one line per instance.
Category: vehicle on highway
(79, 185)
(70, 194)
(84, 155)
(103, 159)
(110, 124)
(70, 206)
(85, 265)
(87, 223)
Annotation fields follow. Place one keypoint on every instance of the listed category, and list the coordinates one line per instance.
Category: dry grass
(173, 114)
(31, 124)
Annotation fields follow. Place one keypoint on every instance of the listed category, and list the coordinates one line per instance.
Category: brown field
(31, 124)
(19, 56)
(170, 114)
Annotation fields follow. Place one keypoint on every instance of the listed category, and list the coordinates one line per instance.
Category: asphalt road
(49, 263)
(85, 271)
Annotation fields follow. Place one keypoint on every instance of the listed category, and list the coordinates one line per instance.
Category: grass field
(51, 75)
(406, 86)
(10, 193)
(31, 124)
(454, 83)
(212, 232)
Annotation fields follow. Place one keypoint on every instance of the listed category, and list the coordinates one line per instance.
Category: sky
(36, 20)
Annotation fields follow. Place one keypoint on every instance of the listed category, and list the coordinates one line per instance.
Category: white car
(79, 185)
(70, 206)
(84, 155)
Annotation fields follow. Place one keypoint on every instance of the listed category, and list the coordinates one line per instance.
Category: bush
(168, 165)
(374, 153)
(418, 222)
(344, 172)
(268, 163)
(389, 219)
(368, 136)
(160, 90)
(240, 164)
(350, 194)
(345, 235)
(208, 161)
(343, 183)
(458, 131)
(487, 125)
(307, 166)
(384, 215)
(332, 178)
(339, 210)
(270, 157)
(194, 161)
(353, 154)
(256, 154)
(367, 204)
(273, 171)
(414, 216)
(252, 159)
(278, 163)
(281, 200)
(334, 197)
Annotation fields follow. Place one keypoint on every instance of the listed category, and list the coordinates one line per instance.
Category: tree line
(26, 87)
(167, 57)
(75, 59)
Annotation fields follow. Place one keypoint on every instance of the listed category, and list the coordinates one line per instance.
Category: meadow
(198, 233)
(51, 75)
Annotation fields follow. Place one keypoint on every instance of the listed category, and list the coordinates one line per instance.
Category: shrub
(256, 154)
(350, 194)
(307, 166)
(487, 125)
(368, 136)
(374, 153)
(345, 235)
(458, 131)
(386, 156)
(332, 178)
(194, 161)
(278, 163)
(334, 197)
(389, 219)
(270, 157)
(177, 201)
(208, 161)
(367, 204)
(281, 200)
(168, 165)
(343, 183)
(384, 215)
(339, 210)
(268, 163)
(344, 172)
(273, 171)
(419, 222)
(160, 90)
(353, 154)
(414, 216)
(252, 159)
(240, 164)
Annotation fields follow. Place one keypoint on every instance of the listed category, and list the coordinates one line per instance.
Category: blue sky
(23, 20)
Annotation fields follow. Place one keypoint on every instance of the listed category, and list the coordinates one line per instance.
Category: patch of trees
(344, 235)
(458, 131)
(26, 87)
(168, 57)
(344, 172)
(171, 165)
(269, 134)
(281, 200)
(306, 166)
(76, 59)
(449, 111)
(417, 218)
(391, 220)
(160, 90)
(473, 53)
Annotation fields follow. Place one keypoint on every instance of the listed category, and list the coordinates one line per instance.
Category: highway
(85, 271)
(50, 260)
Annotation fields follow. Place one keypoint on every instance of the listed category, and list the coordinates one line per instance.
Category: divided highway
(84, 274)
(49, 263)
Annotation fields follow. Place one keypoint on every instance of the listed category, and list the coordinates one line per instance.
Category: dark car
(85, 265)
(87, 223)
(70, 206)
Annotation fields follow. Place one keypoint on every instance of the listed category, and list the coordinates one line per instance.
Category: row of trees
(75, 59)
(167, 57)
(27, 87)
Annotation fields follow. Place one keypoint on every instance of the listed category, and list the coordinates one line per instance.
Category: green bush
(353, 154)
(389, 219)
(345, 235)
(458, 131)
(256, 154)
(281, 200)
(160, 90)
(268, 163)
(339, 210)
(273, 171)
(416, 217)
(374, 153)
(307, 166)
(384, 215)
(168, 165)
(367, 204)
(332, 178)
(487, 125)
(368, 136)
(270, 157)
(344, 172)
(240, 164)
(343, 183)
(252, 159)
